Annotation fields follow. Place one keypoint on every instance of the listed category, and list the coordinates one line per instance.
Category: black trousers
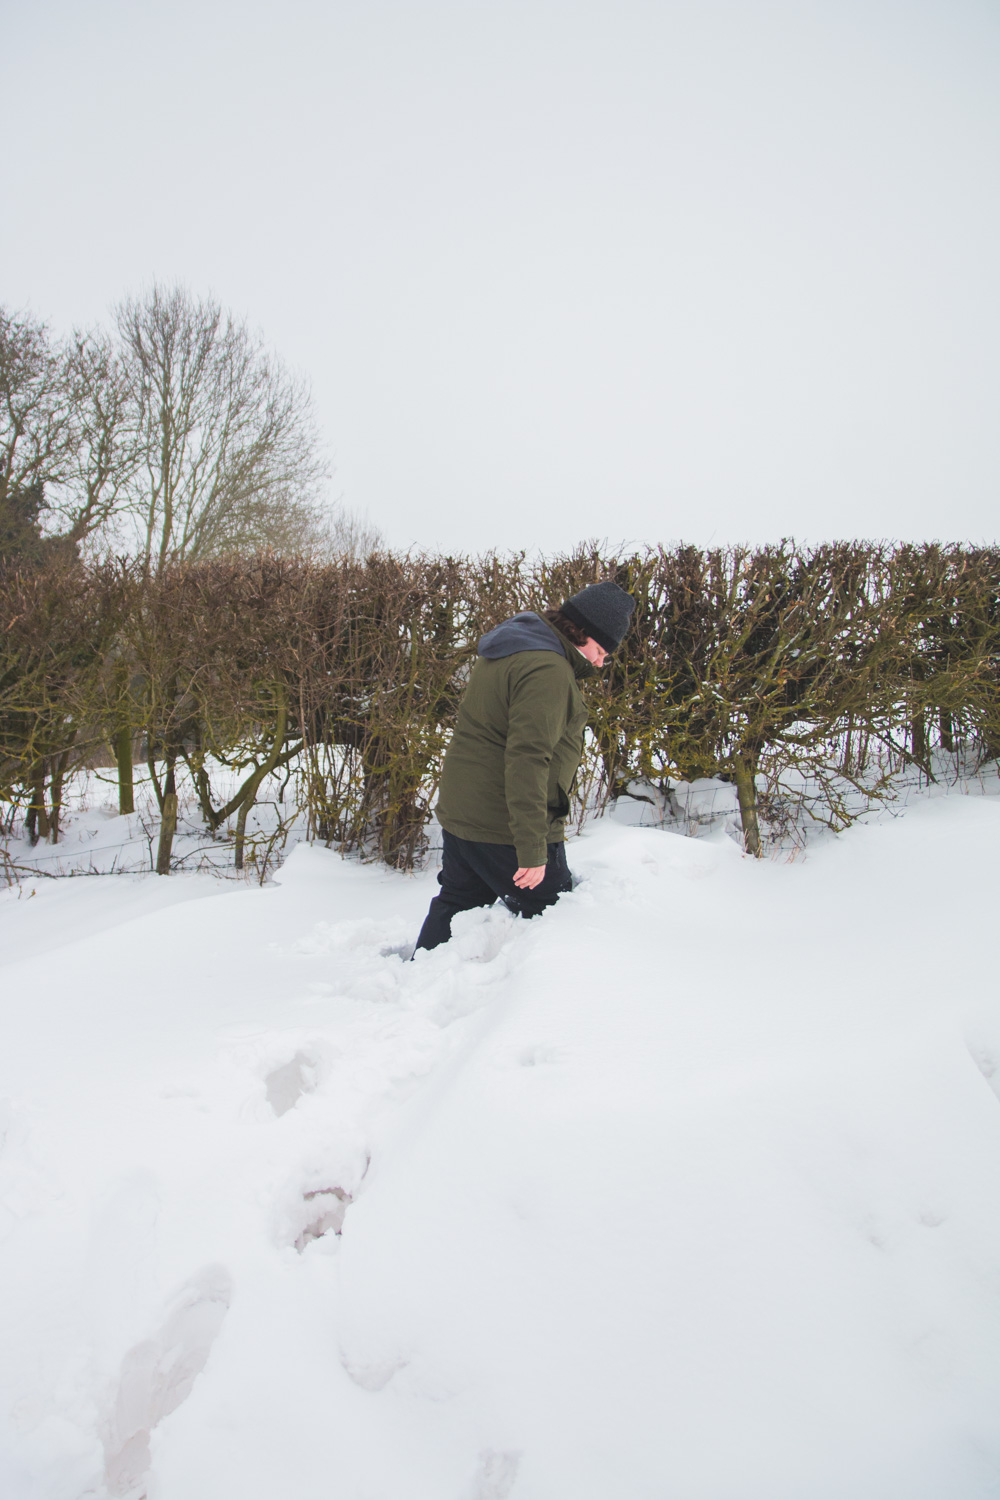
(474, 874)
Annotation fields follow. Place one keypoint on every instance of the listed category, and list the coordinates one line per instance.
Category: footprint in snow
(291, 1080)
(320, 1211)
(494, 1477)
(539, 1054)
(323, 1210)
(157, 1375)
(987, 1060)
(372, 1375)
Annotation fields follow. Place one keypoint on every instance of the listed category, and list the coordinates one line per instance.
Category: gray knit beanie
(603, 610)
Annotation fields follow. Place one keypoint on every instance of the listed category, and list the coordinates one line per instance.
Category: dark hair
(572, 632)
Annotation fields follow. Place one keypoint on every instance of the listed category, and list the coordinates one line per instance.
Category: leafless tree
(231, 456)
(107, 452)
(35, 425)
(69, 448)
(341, 533)
(36, 420)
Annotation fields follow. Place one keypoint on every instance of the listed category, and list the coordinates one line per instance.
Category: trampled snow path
(690, 1191)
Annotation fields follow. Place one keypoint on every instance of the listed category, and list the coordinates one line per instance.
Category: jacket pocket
(559, 809)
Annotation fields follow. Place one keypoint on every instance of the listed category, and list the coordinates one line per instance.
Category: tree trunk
(122, 741)
(947, 732)
(744, 772)
(154, 781)
(201, 785)
(241, 826)
(56, 793)
(918, 740)
(37, 820)
(123, 760)
(245, 795)
(168, 822)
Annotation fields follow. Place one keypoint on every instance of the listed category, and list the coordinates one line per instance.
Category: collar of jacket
(581, 666)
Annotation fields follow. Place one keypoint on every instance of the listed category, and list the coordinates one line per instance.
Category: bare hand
(529, 876)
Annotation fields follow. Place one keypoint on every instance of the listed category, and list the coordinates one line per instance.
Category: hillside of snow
(689, 1190)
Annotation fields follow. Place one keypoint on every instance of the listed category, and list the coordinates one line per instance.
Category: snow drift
(688, 1191)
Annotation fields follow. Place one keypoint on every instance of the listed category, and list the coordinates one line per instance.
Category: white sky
(636, 269)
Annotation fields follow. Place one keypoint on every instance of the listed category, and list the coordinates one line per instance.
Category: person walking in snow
(511, 762)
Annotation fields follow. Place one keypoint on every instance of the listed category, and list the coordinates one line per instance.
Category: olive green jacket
(516, 748)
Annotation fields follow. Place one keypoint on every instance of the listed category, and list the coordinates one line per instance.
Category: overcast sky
(650, 270)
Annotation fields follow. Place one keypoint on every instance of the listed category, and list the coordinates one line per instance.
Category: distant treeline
(841, 662)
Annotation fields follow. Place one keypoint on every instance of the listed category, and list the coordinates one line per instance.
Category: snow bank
(690, 1189)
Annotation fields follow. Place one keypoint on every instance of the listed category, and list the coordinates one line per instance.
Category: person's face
(593, 652)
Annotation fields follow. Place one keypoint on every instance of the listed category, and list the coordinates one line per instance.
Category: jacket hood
(525, 632)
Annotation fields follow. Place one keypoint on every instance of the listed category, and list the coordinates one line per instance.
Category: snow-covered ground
(688, 1191)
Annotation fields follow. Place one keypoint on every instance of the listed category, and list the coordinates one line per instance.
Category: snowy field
(688, 1191)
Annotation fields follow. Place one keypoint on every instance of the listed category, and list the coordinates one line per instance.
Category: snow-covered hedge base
(688, 1191)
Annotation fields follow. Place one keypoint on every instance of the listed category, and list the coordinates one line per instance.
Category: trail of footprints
(159, 1372)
